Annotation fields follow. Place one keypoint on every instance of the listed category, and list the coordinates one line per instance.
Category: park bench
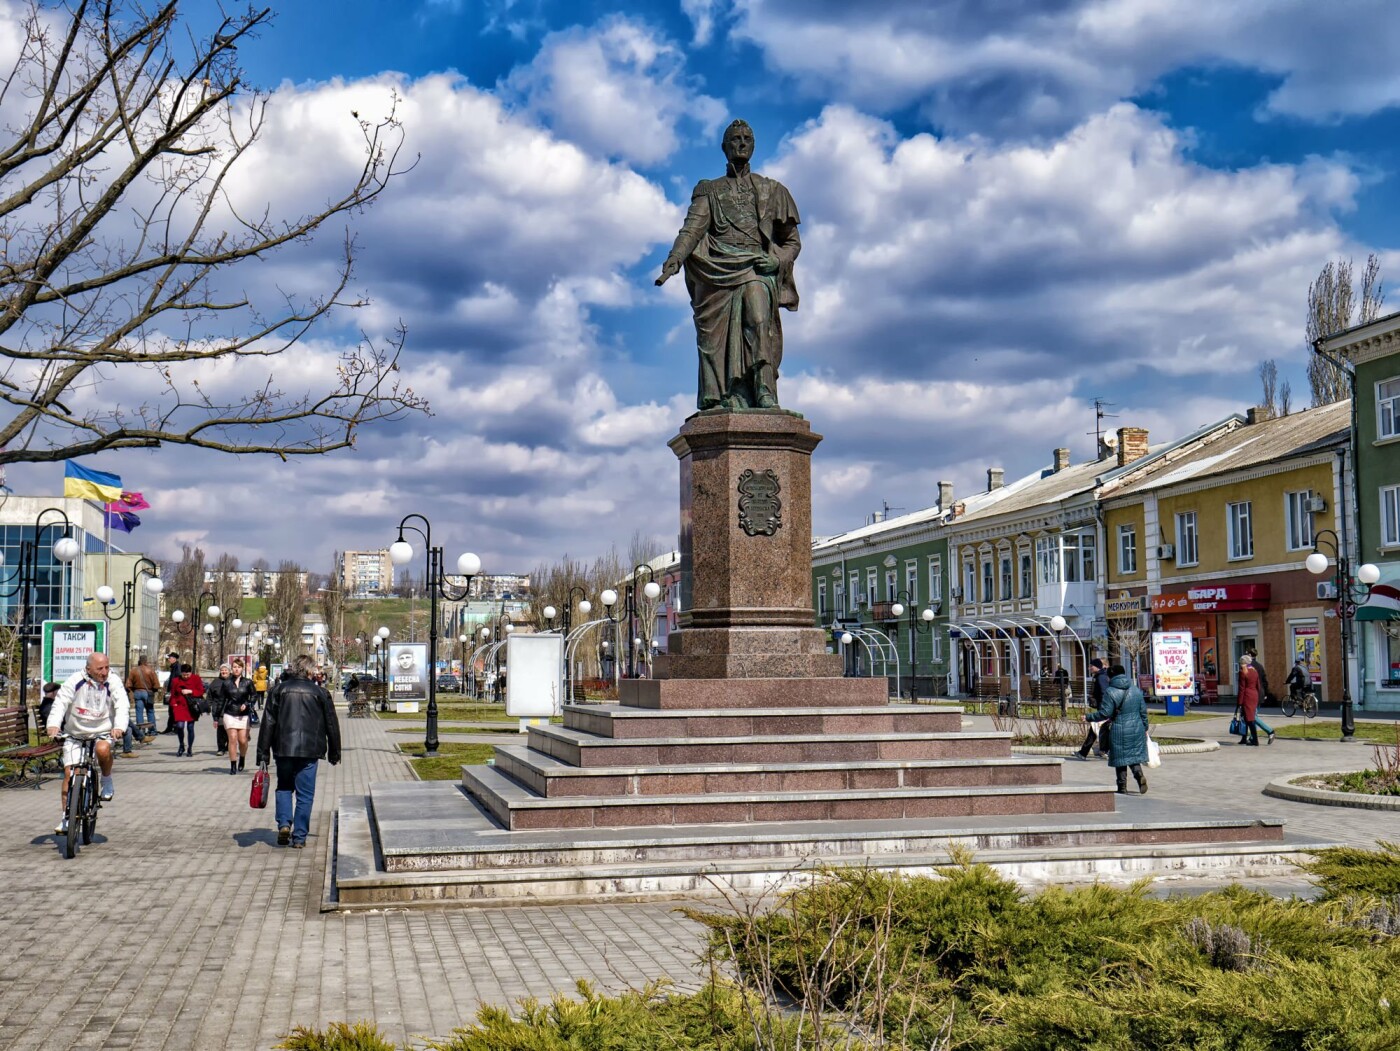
(376, 694)
(20, 761)
(359, 703)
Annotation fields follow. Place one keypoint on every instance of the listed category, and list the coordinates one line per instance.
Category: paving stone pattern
(185, 927)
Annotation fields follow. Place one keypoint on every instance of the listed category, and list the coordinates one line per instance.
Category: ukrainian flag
(85, 484)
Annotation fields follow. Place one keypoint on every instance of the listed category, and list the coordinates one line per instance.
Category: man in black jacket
(298, 729)
(1100, 683)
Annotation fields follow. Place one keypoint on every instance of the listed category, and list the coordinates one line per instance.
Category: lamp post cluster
(108, 598)
(65, 549)
(468, 566)
(919, 624)
(1351, 592)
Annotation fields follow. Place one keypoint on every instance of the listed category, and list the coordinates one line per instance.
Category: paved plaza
(185, 926)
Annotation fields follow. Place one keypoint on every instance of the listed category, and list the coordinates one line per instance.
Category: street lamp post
(609, 599)
(381, 643)
(65, 549)
(651, 590)
(919, 624)
(108, 598)
(1351, 591)
(468, 565)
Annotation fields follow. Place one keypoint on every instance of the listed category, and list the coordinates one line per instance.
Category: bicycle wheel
(1310, 707)
(90, 805)
(1290, 706)
(75, 812)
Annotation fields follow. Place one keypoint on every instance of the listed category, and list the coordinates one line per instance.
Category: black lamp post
(652, 590)
(108, 598)
(65, 550)
(1351, 591)
(919, 624)
(468, 565)
(178, 617)
(501, 629)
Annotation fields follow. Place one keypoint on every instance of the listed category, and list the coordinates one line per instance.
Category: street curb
(1196, 745)
(1323, 797)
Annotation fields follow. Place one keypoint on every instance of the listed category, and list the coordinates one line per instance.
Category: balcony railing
(883, 611)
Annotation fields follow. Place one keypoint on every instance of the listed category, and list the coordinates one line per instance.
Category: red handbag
(257, 795)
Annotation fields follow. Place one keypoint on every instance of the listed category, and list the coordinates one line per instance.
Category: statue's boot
(765, 387)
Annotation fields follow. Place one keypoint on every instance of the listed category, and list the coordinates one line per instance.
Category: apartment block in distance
(366, 573)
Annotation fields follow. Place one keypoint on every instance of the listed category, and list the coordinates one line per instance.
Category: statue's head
(738, 142)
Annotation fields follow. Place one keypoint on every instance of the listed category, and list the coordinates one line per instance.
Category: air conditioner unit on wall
(955, 593)
(1326, 589)
(1315, 505)
(1166, 551)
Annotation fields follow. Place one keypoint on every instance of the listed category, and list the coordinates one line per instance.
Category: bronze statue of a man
(738, 245)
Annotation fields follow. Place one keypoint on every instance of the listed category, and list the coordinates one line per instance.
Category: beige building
(364, 573)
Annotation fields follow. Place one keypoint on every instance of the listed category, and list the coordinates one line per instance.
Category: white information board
(534, 668)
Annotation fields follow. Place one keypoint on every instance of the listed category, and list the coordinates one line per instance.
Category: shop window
(1390, 516)
(1186, 550)
(1241, 529)
(1388, 408)
(1391, 671)
(1027, 575)
(1006, 578)
(1298, 520)
(1127, 550)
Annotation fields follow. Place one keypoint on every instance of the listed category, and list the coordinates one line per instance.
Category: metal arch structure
(1083, 653)
(472, 666)
(1013, 660)
(992, 640)
(571, 645)
(963, 628)
(886, 647)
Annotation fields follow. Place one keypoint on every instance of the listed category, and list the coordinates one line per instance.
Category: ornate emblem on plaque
(760, 510)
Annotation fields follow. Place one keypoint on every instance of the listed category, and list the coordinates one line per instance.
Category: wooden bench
(22, 762)
(359, 703)
(376, 694)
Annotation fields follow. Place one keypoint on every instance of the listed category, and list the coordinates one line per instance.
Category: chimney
(1132, 445)
(1061, 460)
(994, 478)
(1257, 414)
(945, 495)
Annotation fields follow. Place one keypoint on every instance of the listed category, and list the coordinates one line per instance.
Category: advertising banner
(408, 671)
(67, 644)
(1214, 598)
(1173, 672)
(1307, 647)
(533, 687)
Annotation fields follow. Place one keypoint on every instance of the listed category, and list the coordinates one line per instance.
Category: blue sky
(1009, 207)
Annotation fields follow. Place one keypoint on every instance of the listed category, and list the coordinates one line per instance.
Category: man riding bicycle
(1298, 680)
(91, 704)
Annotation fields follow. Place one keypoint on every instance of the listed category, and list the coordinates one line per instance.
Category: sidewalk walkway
(229, 948)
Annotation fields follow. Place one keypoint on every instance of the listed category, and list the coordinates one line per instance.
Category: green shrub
(338, 1036)
(1344, 871)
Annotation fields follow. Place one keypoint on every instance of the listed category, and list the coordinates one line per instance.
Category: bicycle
(84, 798)
(1304, 699)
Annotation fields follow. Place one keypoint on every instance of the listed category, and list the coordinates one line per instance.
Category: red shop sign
(1214, 598)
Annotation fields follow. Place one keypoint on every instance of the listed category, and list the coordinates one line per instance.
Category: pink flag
(133, 501)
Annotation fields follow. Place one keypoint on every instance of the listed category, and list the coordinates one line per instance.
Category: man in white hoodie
(91, 704)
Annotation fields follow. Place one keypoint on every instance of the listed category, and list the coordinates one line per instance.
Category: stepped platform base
(431, 844)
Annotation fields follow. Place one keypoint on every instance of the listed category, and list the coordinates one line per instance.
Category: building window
(1006, 578)
(987, 595)
(1027, 575)
(855, 592)
(1390, 516)
(911, 581)
(1127, 550)
(891, 585)
(821, 596)
(1088, 553)
(1388, 409)
(1241, 530)
(969, 583)
(1186, 553)
(1390, 673)
(1047, 560)
(1070, 544)
(872, 577)
(839, 595)
(1298, 520)
(935, 580)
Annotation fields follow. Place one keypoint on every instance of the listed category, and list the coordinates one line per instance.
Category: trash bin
(1176, 705)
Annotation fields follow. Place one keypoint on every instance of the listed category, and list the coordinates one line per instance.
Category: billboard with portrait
(408, 671)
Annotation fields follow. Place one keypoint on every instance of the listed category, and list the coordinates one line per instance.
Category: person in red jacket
(186, 693)
(1248, 698)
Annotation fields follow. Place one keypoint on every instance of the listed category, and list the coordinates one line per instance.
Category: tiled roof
(873, 530)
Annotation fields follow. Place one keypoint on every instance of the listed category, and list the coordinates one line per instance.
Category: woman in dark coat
(1248, 696)
(1127, 740)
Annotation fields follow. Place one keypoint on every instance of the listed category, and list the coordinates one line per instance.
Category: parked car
(450, 683)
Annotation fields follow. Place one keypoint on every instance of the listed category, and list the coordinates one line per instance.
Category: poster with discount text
(1173, 670)
(1307, 647)
(67, 644)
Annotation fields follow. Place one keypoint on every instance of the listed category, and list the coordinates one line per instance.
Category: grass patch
(456, 711)
(1158, 719)
(447, 764)
(1311, 730)
(1364, 782)
(413, 731)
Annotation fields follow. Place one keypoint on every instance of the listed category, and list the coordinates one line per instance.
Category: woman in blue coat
(1127, 741)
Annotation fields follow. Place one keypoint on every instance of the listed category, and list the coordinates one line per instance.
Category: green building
(1374, 351)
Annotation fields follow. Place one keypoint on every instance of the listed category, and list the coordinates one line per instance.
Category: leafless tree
(260, 568)
(1268, 381)
(287, 608)
(1285, 398)
(332, 599)
(120, 245)
(1332, 307)
(227, 587)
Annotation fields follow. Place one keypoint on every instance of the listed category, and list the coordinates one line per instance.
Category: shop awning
(1384, 604)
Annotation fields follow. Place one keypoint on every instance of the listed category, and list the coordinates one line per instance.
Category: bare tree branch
(120, 246)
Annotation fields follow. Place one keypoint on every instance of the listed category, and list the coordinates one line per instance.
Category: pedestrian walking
(299, 727)
(172, 669)
(1265, 696)
(1094, 738)
(1126, 710)
(217, 696)
(260, 685)
(1247, 696)
(238, 708)
(142, 685)
(186, 695)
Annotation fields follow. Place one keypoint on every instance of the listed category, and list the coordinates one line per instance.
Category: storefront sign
(1124, 607)
(1214, 598)
(1173, 671)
